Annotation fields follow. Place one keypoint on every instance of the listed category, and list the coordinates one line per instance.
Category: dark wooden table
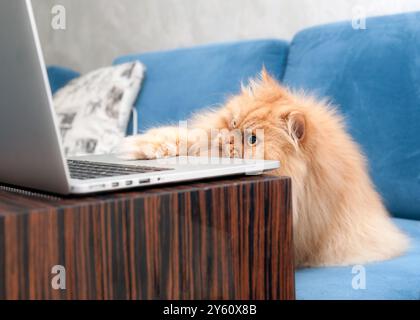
(221, 239)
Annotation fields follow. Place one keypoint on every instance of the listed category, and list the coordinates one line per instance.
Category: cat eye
(252, 139)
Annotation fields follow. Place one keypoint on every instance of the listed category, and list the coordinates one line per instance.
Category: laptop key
(86, 170)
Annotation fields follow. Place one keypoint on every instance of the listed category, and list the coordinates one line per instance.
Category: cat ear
(296, 125)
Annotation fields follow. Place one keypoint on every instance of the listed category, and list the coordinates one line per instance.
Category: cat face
(263, 122)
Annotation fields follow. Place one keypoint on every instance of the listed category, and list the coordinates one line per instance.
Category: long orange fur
(339, 218)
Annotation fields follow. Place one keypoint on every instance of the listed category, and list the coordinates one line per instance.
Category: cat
(339, 218)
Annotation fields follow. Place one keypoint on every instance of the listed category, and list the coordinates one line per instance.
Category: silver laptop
(31, 154)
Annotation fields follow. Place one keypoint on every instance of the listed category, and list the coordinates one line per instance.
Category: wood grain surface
(220, 239)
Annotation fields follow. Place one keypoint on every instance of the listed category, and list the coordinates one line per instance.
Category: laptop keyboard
(86, 170)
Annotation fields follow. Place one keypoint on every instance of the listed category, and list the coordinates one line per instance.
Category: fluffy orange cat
(339, 218)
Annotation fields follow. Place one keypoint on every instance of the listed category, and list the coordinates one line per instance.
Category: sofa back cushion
(373, 76)
(182, 81)
(59, 77)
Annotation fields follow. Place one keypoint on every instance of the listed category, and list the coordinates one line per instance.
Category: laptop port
(115, 184)
(129, 183)
(144, 181)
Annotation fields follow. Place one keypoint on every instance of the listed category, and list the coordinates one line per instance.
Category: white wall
(100, 30)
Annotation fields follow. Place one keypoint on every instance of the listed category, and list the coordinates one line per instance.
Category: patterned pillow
(94, 110)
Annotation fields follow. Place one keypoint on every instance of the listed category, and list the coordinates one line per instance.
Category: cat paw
(145, 147)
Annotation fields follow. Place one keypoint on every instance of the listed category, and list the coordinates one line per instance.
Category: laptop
(31, 154)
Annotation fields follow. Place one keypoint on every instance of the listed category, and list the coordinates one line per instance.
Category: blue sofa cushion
(59, 77)
(393, 279)
(373, 75)
(181, 81)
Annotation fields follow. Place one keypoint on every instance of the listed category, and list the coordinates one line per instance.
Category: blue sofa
(372, 75)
